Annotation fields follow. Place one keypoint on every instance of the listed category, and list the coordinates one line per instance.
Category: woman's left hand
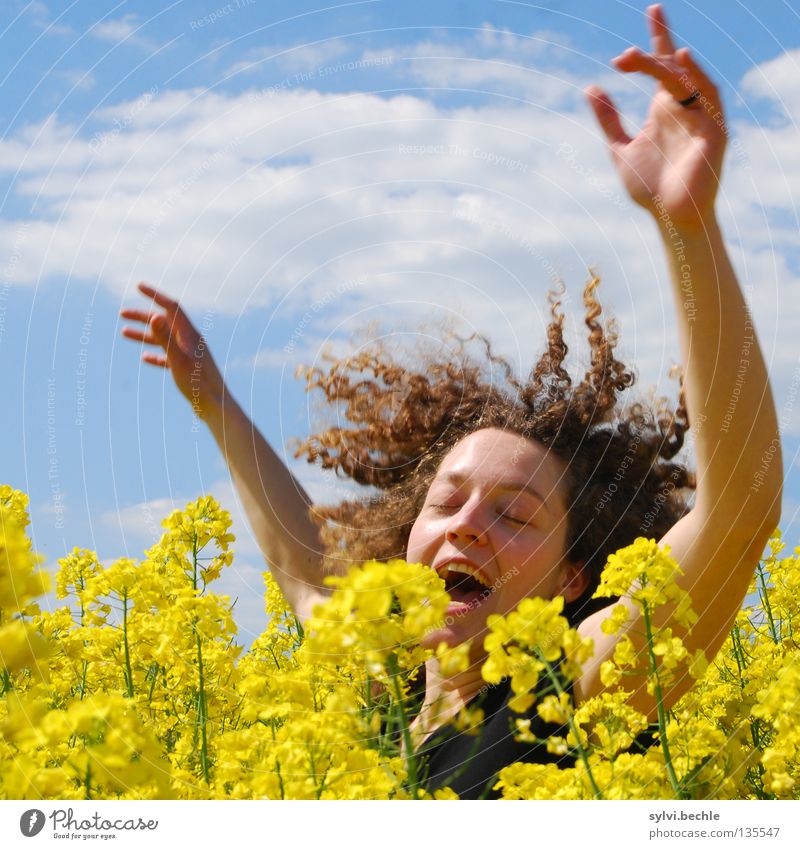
(673, 164)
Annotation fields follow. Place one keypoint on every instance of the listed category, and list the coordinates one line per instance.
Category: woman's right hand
(275, 503)
(186, 353)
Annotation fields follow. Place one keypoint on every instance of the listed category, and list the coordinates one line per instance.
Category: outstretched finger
(138, 315)
(660, 35)
(607, 116)
(159, 297)
(140, 336)
(697, 77)
(633, 60)
(155, 359)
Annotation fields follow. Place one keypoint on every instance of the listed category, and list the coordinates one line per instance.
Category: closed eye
(517, 519)
(514, 519)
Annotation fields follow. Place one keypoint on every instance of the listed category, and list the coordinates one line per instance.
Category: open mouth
(466, 587)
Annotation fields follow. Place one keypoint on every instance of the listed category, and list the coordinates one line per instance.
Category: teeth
(466, 569)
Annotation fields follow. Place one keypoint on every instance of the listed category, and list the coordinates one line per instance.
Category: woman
(506, 491)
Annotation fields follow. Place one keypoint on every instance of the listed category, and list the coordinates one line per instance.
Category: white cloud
(116, 30)
(776, 80)
(40, 16)
(298, 58)
(509, 64)
(125, 30)
(141, 523)
(273, 199)
(78, 79)
(257, 195)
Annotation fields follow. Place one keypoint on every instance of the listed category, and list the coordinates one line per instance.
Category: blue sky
(401, 162)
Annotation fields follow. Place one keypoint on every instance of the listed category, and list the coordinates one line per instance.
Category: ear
(574, 581)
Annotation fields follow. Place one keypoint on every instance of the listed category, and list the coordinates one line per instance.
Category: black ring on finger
(692, 98)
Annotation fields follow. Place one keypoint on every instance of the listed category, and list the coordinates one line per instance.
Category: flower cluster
(733, 735)
(136, 687)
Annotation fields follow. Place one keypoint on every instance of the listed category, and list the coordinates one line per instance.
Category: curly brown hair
(400, 422)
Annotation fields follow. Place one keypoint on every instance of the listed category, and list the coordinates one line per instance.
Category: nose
(468, 526)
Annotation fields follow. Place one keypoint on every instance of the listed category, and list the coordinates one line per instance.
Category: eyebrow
(458, 479)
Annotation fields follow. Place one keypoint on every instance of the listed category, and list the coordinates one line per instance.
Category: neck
(444, 698)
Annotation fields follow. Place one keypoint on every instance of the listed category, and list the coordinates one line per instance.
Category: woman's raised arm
(672, 168)
(276, 505)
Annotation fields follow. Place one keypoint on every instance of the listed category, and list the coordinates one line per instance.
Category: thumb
(607, 116)
(160, 329)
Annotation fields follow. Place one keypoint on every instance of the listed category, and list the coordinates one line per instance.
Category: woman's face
(494, 526)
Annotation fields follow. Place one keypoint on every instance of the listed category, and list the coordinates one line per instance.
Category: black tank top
(469, 764)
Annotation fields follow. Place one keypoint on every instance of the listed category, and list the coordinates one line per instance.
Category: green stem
(128, 670)
(153, 672)
(369, 708)
(85, 666)
(662, 714)
(7, 684)
(410, 756)
(202, 707)
(755, 734)
(280, 778)
(274, 657)
(80, 586)
(321, 785)
(202, 713)
(582, 753)
(368, 692)
(738, 653)
(763, 594)
(83, 677)
(87, 782)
